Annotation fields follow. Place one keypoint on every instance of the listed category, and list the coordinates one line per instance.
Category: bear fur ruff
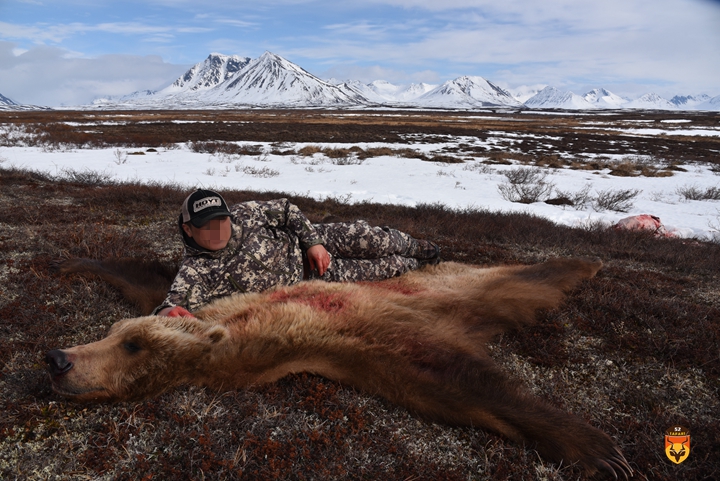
(418, 340)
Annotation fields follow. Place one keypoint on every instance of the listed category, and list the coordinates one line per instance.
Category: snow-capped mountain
(689, 101)
(271, 81)
(712, 104)
(552, 98)
(9, 104)
(467, 92)
(6, 101)
(650, 101)
(209, 73)
(604, 99)
(212, 71)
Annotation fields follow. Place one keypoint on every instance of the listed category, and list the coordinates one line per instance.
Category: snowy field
(472, 184)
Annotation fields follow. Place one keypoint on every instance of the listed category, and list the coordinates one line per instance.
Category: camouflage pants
(360, 252)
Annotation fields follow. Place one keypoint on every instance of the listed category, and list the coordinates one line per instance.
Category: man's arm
(310, 240)
(295, 221)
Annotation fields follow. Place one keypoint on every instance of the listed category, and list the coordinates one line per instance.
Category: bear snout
(57, 362)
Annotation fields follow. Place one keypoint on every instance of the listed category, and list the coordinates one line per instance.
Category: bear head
(139, 358)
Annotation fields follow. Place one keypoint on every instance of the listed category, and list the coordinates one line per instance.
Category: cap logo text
(206, 202)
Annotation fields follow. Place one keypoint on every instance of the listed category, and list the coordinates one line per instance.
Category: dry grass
(543, 138)
(633, 351)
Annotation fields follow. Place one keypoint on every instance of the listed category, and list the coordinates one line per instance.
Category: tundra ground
(634, 351)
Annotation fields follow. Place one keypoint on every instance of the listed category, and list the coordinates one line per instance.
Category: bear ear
(191, 329)
(217, 333)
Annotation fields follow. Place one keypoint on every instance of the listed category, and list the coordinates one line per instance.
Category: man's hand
(176, 311)
(318, 258)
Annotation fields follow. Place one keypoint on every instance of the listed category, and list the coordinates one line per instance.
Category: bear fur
(417, 340)
(145, 283)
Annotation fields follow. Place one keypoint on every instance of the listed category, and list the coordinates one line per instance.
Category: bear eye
(131, 347)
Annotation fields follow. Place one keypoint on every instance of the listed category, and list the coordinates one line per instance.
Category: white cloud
(59, 32)
(48, 76)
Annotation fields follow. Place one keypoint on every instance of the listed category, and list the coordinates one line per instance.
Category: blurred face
(213, 236)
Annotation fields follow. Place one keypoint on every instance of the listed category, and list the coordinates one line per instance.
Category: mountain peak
(689, 100)
(597, 93)
(6, 101)
(212, 71)
(467, 92)
(604, 99)
(269, 55)
(273, 80)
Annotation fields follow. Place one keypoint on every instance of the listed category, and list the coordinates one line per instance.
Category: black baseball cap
(202, 206)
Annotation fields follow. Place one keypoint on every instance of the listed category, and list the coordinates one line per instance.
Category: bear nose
(57, 362)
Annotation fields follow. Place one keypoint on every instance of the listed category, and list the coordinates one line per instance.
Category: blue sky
(69, 52)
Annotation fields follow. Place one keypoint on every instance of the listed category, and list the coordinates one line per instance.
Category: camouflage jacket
(265, 250)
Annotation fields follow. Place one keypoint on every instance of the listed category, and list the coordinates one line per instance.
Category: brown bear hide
(417, 340)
